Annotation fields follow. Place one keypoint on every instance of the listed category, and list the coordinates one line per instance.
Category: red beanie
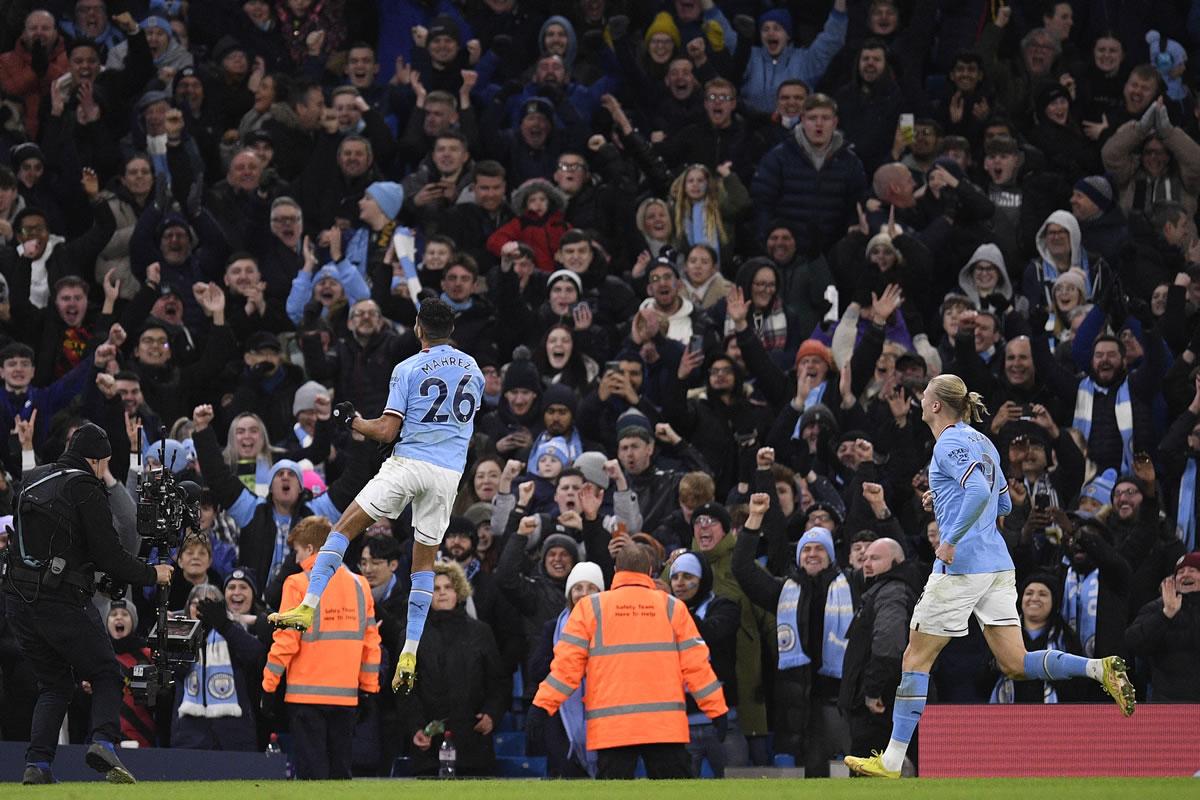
(812, 347)
(1190, 560)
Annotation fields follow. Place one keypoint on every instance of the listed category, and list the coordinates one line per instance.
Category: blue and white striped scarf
(210, 690)
(1185, 517)
(1079, 606)
(815, 396)
(1086, 396)
(1005, 689)
(839, 611)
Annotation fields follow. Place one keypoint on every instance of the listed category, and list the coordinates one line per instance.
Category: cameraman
(63, 520)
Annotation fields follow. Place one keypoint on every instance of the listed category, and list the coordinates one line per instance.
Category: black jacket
(1173, 647)
(358, 372)
(718, 620)
(93, 543)
(878, 636)
(459, 674)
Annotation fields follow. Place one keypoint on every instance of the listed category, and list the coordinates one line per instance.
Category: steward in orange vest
(638, 648)
(327, 665)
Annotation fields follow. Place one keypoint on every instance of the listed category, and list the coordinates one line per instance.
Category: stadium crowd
(702, 250)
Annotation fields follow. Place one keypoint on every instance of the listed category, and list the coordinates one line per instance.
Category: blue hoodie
(764, 74)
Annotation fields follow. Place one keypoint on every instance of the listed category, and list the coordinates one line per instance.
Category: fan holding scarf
(213, 701)
(1096, 583)
(814, 607)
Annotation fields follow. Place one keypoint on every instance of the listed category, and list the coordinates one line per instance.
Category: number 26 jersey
(436, 393)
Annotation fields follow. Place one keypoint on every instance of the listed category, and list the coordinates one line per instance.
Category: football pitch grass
(760, 789)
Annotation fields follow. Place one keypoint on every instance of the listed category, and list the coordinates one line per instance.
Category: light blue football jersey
(959, 452)
(437, 392)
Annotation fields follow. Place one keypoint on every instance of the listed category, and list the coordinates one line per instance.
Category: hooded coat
(764, 73)
(1001, 298)
(1037, 284)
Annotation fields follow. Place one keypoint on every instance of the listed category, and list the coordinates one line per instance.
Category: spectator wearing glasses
(723, 135)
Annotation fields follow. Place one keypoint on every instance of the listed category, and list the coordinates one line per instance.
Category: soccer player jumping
(432, 400)
(973, 573)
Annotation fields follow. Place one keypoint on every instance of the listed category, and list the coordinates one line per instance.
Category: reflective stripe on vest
(555, 683)
(314, 634)
(598, 637)
(275, 669)
(706, 690)
(578, 641)
(636, 647)
(324, 691)
(633, 708)
(368, 668)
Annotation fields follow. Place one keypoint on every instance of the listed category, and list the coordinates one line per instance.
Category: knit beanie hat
(565, 274)
(1100, 489)
(663, 23)
(820, 536)
(244, 575)
(812, 347)
(633, 422)
(555, 447)
(1192, 560)
(1098, 189)
(521, 374)
(688, 563)
(1075, 278)
(389, 196)
(559, 394)
(89, 441)
(591, 464)
(478, 513)
(884, 240)
(777, 15)
(125, 605)
(306, 396)
(717, 512)
(585, 571)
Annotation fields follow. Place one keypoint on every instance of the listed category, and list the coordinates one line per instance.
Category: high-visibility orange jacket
(339, 655)
(638, 647)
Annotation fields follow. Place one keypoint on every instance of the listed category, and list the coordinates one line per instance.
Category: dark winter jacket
(788, 186)
(1173, 647)
(459, 674)
(878, 636)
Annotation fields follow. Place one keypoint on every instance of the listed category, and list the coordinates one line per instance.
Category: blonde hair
(264, 445)
(952, 392)
(454, 571)
(714, 224)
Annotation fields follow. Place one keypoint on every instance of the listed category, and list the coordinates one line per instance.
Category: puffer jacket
(788, 186)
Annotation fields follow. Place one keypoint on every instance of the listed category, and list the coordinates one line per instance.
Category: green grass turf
(968, 789)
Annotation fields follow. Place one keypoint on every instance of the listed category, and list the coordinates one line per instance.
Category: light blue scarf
(839, 611)
(572, 713)
(210, 690)
(698, 232)
(814, 397)
(356, 250)
(1086, 396)
(456, 306)
(1186, 515)
(302, 436)
(1079, 606)
(1005, 689)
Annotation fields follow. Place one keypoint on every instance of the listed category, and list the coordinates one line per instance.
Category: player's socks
(328, 560)
(1055, 665)
(910, 704)
(419, 599)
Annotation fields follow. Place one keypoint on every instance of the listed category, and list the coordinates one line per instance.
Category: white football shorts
(431, 490)
(946, 604)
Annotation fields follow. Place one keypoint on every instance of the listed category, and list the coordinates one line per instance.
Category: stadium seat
(521, 766)
(510, 743)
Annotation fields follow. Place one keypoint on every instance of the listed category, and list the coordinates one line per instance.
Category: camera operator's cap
(245, 575)
(89, 441)
(591, 464)
(263, 340)
(1101, 487)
